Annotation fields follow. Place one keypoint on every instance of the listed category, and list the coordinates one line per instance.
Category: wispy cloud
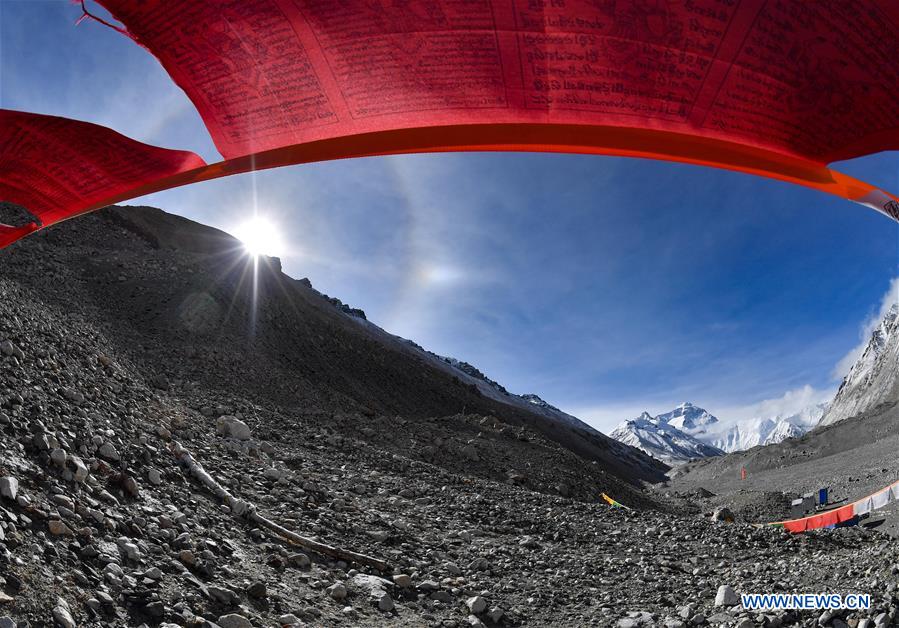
(729, 369)
(606, 417)
(890, 298)
(790, 403)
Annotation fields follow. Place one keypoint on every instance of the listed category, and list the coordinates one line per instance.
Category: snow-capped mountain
(874, 378)
(662, 440)
(689, 418)
(764, 430)
(689, 431)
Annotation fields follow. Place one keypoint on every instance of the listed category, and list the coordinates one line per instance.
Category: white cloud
(606, 417)
(791, 402)
(868, 326)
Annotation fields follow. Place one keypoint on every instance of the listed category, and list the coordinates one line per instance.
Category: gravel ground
(481, 518)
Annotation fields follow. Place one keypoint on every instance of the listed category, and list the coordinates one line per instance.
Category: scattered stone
(376, 589)
(724, 515)
(232, 427)
(63, 615)
(154, 477)
(257, 590)
(223, 596)
(76, 469)
(385, 603)
(58, 457)
(337, 591)
(108, 451)
(726, 596)
(476, 604)
(233, 621)
(299, 560)
(9, 487)
(59, 528)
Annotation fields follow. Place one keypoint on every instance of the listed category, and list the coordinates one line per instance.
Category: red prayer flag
(56, 167)
(776, 89)
(771, 88)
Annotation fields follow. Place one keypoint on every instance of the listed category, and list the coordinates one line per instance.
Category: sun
(260, 236)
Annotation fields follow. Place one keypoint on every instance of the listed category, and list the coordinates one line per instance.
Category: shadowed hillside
(189, 306)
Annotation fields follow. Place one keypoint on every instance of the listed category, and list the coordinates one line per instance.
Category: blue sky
(605, 285)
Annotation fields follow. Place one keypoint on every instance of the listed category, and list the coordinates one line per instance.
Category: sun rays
(260, 236)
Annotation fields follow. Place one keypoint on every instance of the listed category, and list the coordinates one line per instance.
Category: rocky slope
(156, 281)
(874, 378)
(123, 340)
(100, 504)
(105, 529)
(492, 389)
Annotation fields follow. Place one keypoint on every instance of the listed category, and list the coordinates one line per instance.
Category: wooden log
(248, 511)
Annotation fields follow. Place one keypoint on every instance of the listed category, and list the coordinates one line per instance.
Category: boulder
(9, 487)
(726, 596)
(723, 514)
(232, 427)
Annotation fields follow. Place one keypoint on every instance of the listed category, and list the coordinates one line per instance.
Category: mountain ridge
(874, 378)
(156, 280)
(658, 438)
(689, 432)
